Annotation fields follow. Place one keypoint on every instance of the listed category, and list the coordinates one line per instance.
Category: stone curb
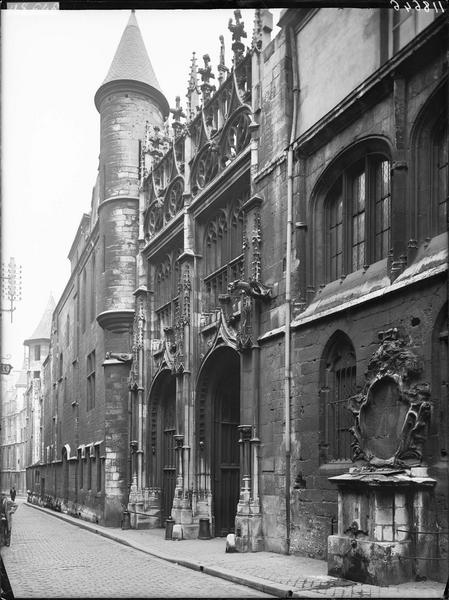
(262, 585)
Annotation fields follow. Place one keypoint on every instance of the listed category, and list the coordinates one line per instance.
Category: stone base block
(149, 518)
(182, 515)
(190, 532)
(248, 533)
(367, 561)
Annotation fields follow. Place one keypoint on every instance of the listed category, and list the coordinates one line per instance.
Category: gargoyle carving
(254, 289)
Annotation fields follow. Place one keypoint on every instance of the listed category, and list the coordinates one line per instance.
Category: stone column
(399, 174)
(245, 462)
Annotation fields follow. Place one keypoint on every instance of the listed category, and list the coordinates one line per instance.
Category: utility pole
(11, 281)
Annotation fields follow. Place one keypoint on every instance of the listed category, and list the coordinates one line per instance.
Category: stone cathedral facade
(254, 333)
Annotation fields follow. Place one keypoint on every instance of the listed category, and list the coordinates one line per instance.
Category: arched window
(440, 175)
(355, 231)
(430, 156)
(83, 301)
(338, 381)
(67, 330)
(93, 289)
(166, 290)
(223, 252)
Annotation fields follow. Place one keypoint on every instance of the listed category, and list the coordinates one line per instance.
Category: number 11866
(437, 6)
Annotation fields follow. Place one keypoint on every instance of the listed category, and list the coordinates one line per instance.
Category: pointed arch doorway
(218, 421)
(162, 451)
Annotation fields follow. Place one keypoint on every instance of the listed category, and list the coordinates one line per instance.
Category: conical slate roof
(131, 62)
(42, 331)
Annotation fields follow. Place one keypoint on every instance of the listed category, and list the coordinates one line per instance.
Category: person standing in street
(5, 521)
(12, 493)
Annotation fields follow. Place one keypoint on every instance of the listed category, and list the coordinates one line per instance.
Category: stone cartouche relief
(392, 411)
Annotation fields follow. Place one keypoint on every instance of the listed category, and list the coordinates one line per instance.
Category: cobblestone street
(49, 558)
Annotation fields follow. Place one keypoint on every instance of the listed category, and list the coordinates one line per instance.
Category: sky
(53, 62)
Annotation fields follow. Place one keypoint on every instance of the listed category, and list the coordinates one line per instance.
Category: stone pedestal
(145, 509)
(383, 526)
(248, 528)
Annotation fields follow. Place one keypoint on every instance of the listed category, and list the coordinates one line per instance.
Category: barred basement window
(338, 381)
(357, 217)
(90, 370)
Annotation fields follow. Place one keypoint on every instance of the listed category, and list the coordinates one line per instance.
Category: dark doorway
(225, 447)
(162, 429)
(168, 455)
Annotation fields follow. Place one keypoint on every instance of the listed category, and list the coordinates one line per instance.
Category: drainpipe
(288, 269)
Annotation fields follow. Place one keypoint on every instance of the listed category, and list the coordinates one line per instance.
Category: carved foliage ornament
(392, 411)
(174, 336)
(164, 209)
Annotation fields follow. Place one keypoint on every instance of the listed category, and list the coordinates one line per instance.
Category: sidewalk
(276, 574)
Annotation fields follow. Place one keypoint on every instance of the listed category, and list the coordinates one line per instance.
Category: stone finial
(263, 26)
(257, 30)
(193, 94)
(206, 75)
(155, 144)
(238, 32)
(222, 68)
(178, 114)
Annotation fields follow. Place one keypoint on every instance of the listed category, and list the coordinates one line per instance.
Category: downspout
(288, 273)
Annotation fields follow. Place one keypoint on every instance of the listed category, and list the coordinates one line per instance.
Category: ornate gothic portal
(162, 451)
(218, 418)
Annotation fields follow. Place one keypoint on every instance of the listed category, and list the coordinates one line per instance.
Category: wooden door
(226, 454)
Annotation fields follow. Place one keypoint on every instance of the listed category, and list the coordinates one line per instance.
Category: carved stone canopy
(392, 411)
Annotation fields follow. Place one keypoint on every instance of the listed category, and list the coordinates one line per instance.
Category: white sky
(52, 64)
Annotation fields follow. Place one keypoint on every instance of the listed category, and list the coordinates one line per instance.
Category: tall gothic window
(223, 253)
(83, 301)
(357, 217)
(93, 289)
(430, 153)
(406, 24)
(338, 380)
(440, 176)
(90, 371)
(67, 330)
(166, 290)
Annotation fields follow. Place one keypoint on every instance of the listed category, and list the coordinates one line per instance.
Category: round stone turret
(128, 98)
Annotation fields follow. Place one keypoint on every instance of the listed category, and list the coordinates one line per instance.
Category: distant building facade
(36, 348)
(254, 332)
(13, 428)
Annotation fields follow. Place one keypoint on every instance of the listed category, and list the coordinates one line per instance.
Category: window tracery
(354, 221)
(223, 251)
(430, 144)
(166, 290)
